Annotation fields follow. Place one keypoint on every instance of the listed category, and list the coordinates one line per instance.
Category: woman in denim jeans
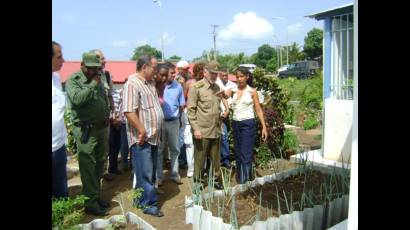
(244, 104)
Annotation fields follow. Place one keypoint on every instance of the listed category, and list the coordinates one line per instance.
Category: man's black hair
(143, 60)
(162, 66)
(52, 48)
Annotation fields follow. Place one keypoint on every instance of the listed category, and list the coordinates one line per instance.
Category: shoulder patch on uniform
(199, 85)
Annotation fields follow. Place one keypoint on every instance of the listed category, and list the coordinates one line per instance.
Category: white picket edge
(103, 223)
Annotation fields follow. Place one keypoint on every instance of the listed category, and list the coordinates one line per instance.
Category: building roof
(119, 70)
(348, 8)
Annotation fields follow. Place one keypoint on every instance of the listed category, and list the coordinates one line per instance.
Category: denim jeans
(59, 173)
(244, 140)
(124, 150)
(182, 159)
(170, 139)
(144, 160)
(224, 144)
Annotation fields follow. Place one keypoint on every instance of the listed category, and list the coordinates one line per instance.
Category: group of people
(157, 115)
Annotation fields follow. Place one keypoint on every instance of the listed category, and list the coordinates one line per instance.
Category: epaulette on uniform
(199, 85)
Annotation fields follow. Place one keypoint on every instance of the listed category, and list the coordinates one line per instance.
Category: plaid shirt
(141, 96)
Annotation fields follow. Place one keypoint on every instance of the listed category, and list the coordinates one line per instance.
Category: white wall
(338, 130)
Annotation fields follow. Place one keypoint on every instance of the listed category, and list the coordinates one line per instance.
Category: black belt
(101, 124)
(171, 119)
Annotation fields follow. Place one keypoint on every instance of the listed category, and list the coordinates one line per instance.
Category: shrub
(275, 98)
(275, 128)
(71, 146)
(67, 212)
(263, 156)
(310, 123)
(290, 143)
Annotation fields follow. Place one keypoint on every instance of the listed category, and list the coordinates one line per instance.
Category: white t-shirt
(229, 85)
(59, 133)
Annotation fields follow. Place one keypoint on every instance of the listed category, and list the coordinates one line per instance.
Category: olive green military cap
(212, 66)
(91, 59)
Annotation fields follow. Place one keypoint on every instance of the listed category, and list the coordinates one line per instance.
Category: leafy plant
(67, 212)
(263, 156)
(310, 123)
(71, 145)
(290, 142)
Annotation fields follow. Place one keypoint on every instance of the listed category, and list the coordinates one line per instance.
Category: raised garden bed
(293, 199)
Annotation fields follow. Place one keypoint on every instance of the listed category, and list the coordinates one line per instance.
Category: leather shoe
(177, 181)
(109, 177)
(104, 204)
(156, 213)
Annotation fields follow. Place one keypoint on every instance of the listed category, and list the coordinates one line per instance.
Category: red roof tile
(119, 70)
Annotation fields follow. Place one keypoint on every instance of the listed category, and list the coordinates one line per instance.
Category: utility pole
(287, 46)
(214, 36)
(162, 34)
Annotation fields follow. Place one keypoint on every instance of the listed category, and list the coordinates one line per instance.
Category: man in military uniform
(114, 134)
(204, 98)
(90, 109)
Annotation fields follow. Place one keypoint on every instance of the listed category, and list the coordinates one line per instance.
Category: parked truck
(300, 69)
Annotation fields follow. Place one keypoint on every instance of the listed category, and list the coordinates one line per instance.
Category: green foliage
(294, 53)
(313, 47)
(174, 58)
(137, 194)
(263, 156)
(290, 142)
(67, 212)
(276, 98)
(264, 54)
(310, 123)
(307, 96)
(272, 64)
(145, 50)
(71, 147)
(289, 117)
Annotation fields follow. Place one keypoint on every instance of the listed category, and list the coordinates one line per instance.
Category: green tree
(313, 47)
(174, 58)
(264, 54)
(272, 64)
(294, 53)
(146, 50)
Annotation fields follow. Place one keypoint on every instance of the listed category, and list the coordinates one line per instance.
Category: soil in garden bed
(248, 203)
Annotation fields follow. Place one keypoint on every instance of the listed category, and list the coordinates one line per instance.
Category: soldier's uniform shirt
(203, 108)
(88, 99)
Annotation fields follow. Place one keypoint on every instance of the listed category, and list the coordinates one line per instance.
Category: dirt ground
(309, 138)
(173, 201)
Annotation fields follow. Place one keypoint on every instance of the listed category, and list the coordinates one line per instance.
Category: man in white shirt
(59, 133)
(225, 84)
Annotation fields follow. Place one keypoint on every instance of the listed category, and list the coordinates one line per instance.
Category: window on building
(341, 84)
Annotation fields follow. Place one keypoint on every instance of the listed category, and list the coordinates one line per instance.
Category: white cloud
(247, 26)
(295, 29)
(122, 43)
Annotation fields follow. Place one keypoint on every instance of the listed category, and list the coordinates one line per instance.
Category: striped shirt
(141, 96)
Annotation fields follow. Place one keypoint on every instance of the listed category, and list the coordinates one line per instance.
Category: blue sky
(118, 26)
